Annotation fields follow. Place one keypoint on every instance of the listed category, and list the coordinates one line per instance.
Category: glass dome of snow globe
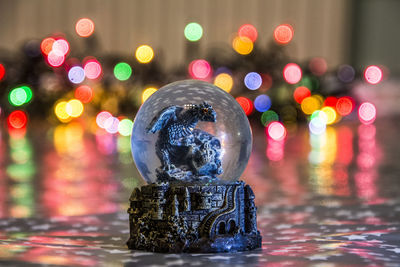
(191, 130)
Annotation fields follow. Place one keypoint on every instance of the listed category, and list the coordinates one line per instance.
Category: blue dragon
(185, 152)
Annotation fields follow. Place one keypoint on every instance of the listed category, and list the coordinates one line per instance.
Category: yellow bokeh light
(144, 54)
(147, 93)
(330, 114)
(68, 138)
(310, 104)
(61, 111)
(224, 81)
(74, 108)
(242, 45)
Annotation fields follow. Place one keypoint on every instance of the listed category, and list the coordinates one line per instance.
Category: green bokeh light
(28, 92)
(193, 31)
(20, 95)
(125, 127)
(17, 97)
(269, 116)
(122, 71)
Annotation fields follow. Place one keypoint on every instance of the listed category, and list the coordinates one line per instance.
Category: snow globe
(191, 141)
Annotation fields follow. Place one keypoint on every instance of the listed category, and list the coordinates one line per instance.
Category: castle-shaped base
(178, 217)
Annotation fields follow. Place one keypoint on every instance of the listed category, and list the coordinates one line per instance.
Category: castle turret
(175, 207)
(204, 201)
(158, 203)
(186, 201)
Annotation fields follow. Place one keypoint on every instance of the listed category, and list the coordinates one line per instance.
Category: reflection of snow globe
(191, 142)
(180, 106)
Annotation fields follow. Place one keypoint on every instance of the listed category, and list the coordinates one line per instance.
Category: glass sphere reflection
(231, 127)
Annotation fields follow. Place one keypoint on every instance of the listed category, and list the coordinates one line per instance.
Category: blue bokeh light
(262, 103)
(76, 74)
(253, 80)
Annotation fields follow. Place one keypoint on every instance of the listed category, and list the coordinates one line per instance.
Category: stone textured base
(179, 217)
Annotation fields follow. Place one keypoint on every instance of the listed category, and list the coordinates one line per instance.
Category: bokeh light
(310, 104)
(17, 119)
(111, 125)
(147, 93)
(318, 66)
(300, 93)
(193, 32)
(46, 45)
(20, 95)
(242, 45)
(125, 127)
(331, 114)
(253, 80)
(84, 27)
(319, 114)
(292, 73)
(76, 74)
(84, 93)
(373, 74)
(54, 59)
(344, 105)
(317, 125)
(283, 34)
(262, 103)
(246, 104)
(92, 69)
(249, 31)
(102, 117)
(200, 69)
(74, 108)
(144, 54)
(60, 47)
(17, 97)
(346, 73)
(330, 101)
(269, 116)
(122, 71)
(276, 131)
(367, 113)
(2, 71)
(224, 81)
(60, 110)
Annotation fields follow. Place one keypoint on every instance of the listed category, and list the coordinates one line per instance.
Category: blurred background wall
(322, 28)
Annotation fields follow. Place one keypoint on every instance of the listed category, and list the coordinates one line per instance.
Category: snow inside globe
(191, 131)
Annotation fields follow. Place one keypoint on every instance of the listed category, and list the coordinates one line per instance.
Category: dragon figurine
(186, 153)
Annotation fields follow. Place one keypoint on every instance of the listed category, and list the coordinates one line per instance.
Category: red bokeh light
(318, 66)
(292, 73)
(330, 101)
(373, 74)
(249, 31)
(17, 119)
(84, 27)
(367, 113)
(84, 93)
(300, 93)
(47, 45)
(276, 131)
(92, 69)
(199, 69)
(283, 34)
(344, 105)
(246, 104)
(2, 71)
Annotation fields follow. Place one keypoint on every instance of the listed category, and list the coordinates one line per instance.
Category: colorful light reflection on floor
(323, 199)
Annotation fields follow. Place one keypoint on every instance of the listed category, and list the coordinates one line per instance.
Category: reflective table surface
(327, 200)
